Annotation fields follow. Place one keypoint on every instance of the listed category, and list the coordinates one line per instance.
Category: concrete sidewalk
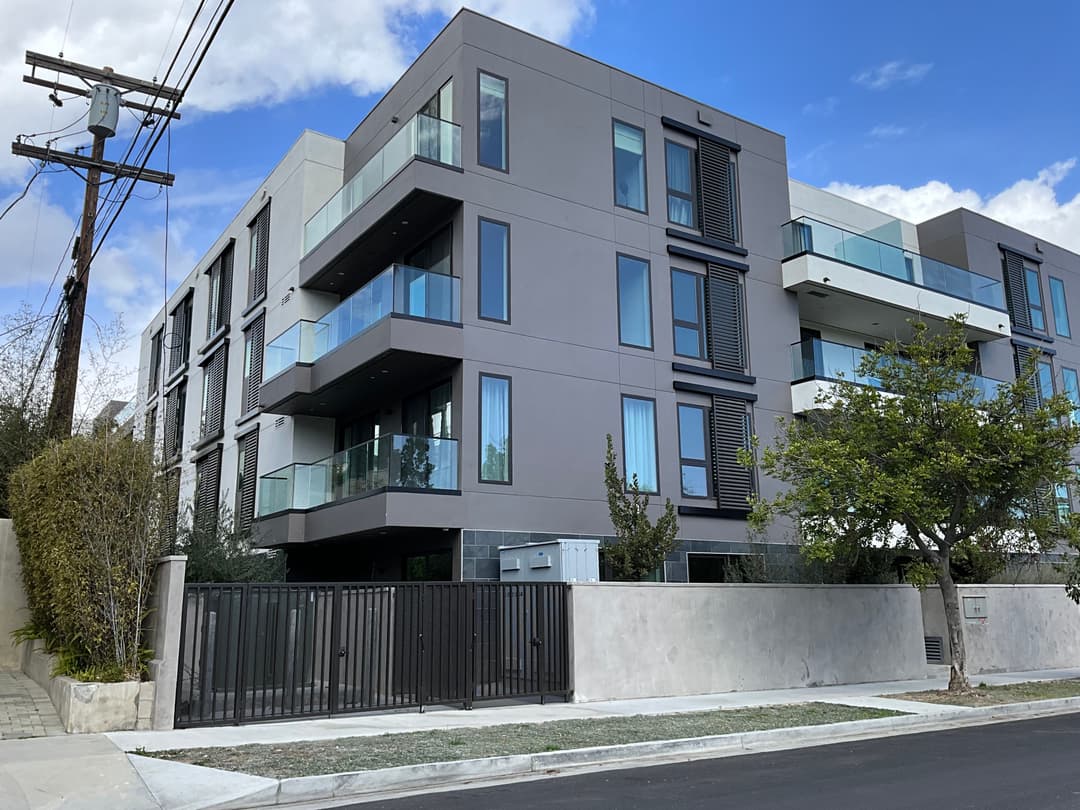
(93, 772)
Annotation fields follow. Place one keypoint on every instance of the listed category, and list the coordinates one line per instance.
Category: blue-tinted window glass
(629, 166)
(1034, 293)
(680, 198)
(635, 307)
(1061, 310)
(1046, 380)
(688, 313)
(639, 443)
(494, 270)
(1072, 390)
(494, 429)
(492, 147)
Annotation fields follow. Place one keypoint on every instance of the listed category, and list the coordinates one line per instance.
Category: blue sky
(916, 107)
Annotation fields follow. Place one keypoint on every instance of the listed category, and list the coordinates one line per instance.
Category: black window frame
(219, 301)
(656, 441)
(692, 198)
(506, 120)
(619, 302)
(258, 263)
(1036, 303)
(1064, 314)
(157, 359)
(1040, 364)
(615, 122)
(702, 326)
(250, 382)
(480, 269)
(180, 350)
(684, 461)
(509, 428)
(215, 373)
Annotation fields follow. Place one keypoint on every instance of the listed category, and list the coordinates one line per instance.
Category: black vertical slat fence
(278, 651)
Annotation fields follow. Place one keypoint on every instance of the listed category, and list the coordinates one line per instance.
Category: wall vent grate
(935, 649)
(279, 422)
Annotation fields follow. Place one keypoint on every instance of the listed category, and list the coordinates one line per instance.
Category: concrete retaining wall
(1024, 627)
(643, 640)
(13, 612)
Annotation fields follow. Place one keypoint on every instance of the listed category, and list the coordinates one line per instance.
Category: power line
(22, 194)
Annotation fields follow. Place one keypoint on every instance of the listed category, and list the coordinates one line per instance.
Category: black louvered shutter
(207, 484)
(177, 341)
(253, 350)
(225, 307)
(726, 329)
(257, 281)
(245, 505)
(1021, 360)
(170, 444)
(729, 435)
(172, 510)
(1016, 290)
(214, 418)
(716, 208)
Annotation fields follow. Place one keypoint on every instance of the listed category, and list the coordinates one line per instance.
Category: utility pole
(106, 89)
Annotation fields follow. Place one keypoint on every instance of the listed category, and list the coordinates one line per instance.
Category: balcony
(816, 363)
(414, 161)
(388, 481)
(405, 319)
(875, 287)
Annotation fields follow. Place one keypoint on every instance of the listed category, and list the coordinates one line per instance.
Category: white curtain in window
(494, 429)
(639, 442)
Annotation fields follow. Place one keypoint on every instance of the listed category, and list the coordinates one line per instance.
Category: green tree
(641, 546)
(931, 468)
(221, 551)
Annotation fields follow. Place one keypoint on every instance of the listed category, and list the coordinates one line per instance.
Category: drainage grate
(935, 649)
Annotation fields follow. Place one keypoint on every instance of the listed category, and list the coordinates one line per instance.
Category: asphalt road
(1023, 765)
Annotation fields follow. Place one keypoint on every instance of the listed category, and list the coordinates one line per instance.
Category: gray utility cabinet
(551, 561)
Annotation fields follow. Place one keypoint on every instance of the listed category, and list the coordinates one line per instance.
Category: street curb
(365, 784)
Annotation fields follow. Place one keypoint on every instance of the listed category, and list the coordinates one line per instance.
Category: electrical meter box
(551, 561)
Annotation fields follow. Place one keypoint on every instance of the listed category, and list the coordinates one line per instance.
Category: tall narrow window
(688, 313)
(157, 343)
(247, 465)
(1062, 502)
(639, 443)
(635, 302)
(213, 401)
(693, 451)
(495, 429)
(732, 427)
(1046, 380)
(253, 366)
(1061, 309)
(629, 143)
(494, 270)
(258, 254)
(179, 337)
(1034, 297)
(207, 486)
(219, 311)
(493, 147)
(1072, 390)
(681, 168)
(150, 429)
(175, 406)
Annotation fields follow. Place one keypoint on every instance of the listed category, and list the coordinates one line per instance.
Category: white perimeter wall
(1026, 627)
(634, 640)
(13, 612)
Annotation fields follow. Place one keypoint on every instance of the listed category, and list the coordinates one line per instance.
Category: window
(179, 337)
(1061, 310)
(150, 429)
(494, 270)
(258, 254)
(1062, 502)
(172, 509)
(212, 422)
(175, 405)
(1072, 390)
(247, 466)
(629, 166)
(207, 484)
(693, 451)
(1034, 297)
(429, 413)
(433, 253)
(711, 567)
(441, 105)
(635, 302)
(639, 443)
(433, 141)
(688, 313)
(681, 165)
(732, 427)
(495, 429)
(157, 343)
(219, 311)
(493, 149)
(253, 366)
(1046, 380)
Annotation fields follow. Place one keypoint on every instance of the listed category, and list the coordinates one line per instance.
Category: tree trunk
(950, 597)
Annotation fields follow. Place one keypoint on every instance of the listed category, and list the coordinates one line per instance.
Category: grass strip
(413, 748)
(984, 695)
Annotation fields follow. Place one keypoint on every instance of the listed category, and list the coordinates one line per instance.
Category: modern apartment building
(409, 347)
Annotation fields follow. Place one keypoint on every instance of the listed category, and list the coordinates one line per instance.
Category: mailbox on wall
(975, 608)
(554, 561)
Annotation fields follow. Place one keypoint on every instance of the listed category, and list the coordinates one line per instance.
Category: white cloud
(24, 259)
(888, 131)
(824, 107)
(1030, 204)
(267, 52)
(890, 73)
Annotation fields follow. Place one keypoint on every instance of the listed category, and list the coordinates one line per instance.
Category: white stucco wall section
(633, 640)
(1026, 627)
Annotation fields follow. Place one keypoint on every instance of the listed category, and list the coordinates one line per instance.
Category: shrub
(220, 551)
(87, 514)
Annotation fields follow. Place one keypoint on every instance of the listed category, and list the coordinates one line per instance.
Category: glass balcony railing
(393, 461)
(422, 136)
(399, 289)
(805, 235)
(820, 359)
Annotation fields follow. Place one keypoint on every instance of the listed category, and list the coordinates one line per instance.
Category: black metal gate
(279, 651)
